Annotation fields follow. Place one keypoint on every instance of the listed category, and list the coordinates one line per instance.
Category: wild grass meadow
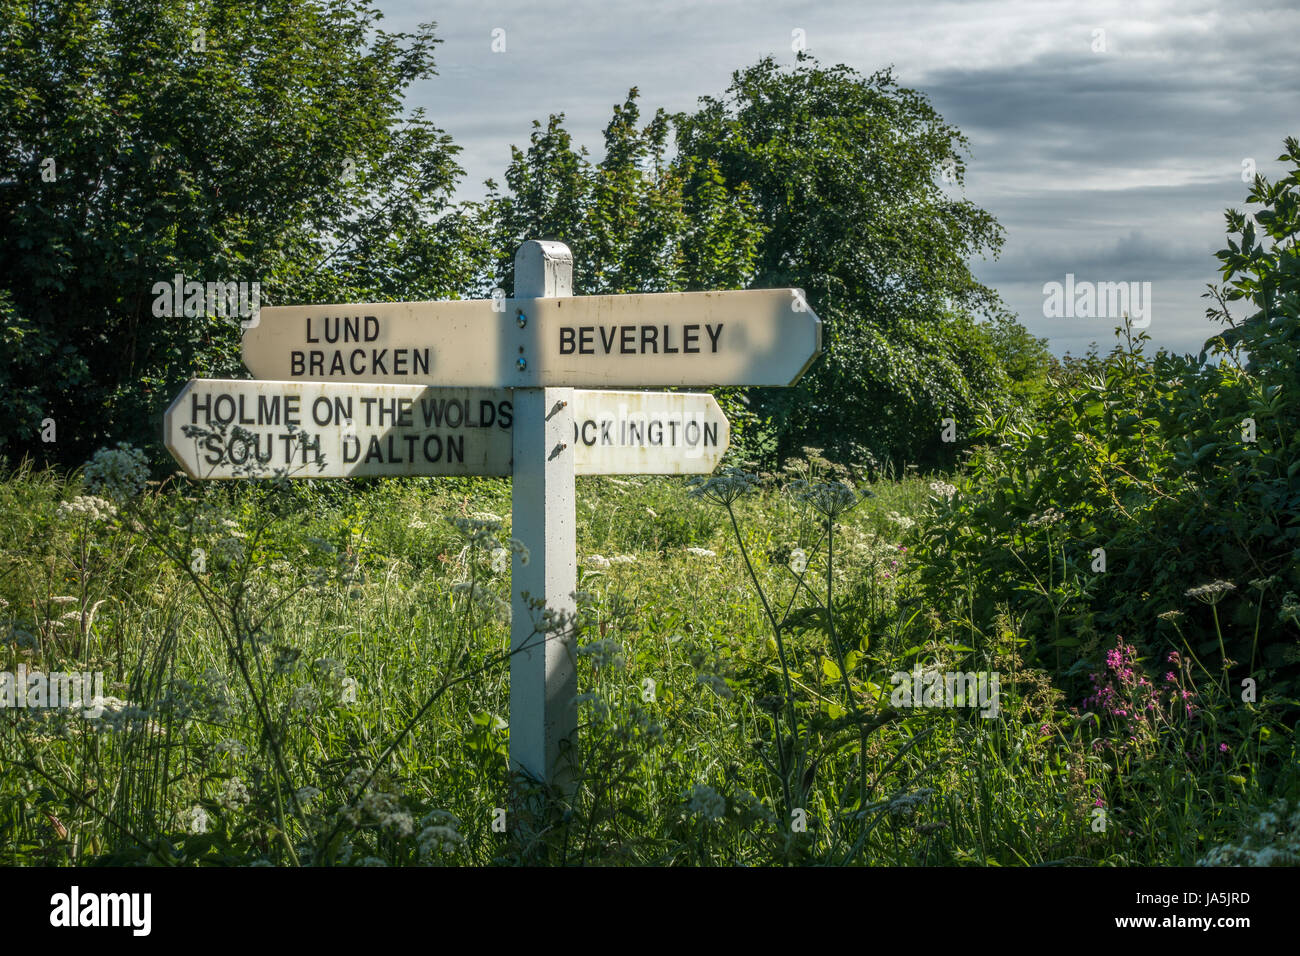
(316, 674)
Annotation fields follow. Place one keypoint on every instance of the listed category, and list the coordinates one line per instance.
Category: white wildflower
(440, 839)
(87, 506)
(904, 523)
(605, 652)
(724, 487)
(233, 794)
(119, 473)
(943, 490)
(706, 804)
(195, 820)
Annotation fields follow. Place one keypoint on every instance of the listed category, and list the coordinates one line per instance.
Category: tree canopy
(270, 143)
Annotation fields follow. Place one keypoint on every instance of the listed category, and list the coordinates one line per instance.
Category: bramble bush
(1158, 498)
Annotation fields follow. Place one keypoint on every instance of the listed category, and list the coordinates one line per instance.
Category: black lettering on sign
(639, 339)
(690, 335)
(505, 414)
(268, 409)
(224, 418)
(432, 409)
(348, 328)
(297, 364)
(212, 445)
(320, 410)
(196, 406)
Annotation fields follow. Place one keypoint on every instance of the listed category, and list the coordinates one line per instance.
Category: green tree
(636, 221)
(217, 139)
(846, 173)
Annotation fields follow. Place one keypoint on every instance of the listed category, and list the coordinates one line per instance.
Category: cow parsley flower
(605, 652)
(88, 507)
(943, 490)
(233, 794)
(118, 473)
(831, 499)
(706, 804)
(725, 487)
(1211, 593)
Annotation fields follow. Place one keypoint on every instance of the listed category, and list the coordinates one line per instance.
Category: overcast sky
(1107, 155)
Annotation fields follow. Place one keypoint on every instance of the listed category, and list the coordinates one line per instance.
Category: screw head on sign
(521, 319)
(522, 363)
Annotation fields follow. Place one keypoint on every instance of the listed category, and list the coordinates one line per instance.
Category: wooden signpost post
(500, 387)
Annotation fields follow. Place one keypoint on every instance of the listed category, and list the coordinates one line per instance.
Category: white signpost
(241, 429)
(496, 387)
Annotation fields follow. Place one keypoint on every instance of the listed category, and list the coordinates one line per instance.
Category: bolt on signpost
(466, 387)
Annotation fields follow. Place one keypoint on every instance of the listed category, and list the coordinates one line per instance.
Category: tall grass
(317, 674)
